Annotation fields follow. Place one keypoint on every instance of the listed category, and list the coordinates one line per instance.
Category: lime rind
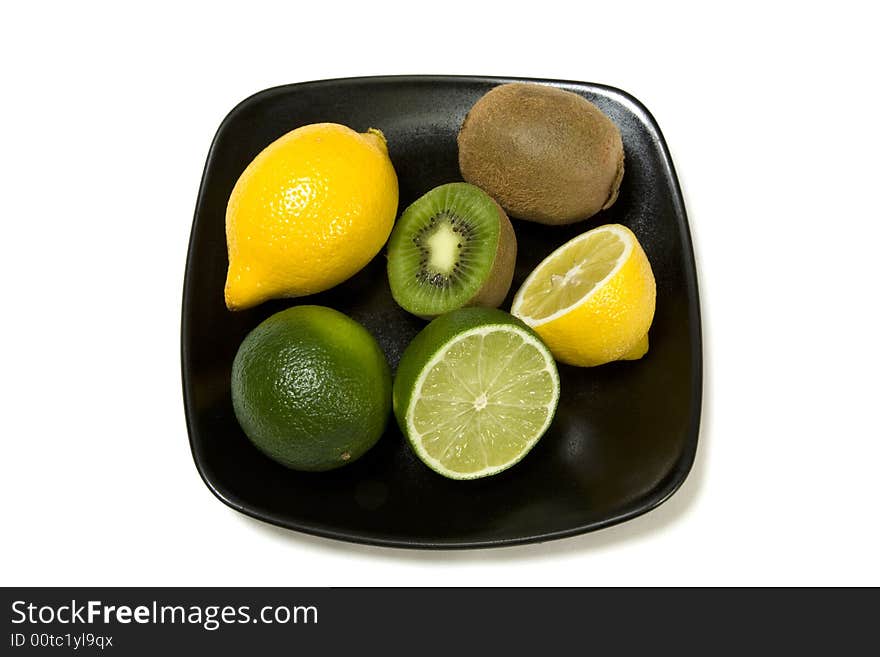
(311, 388)
(453, 422)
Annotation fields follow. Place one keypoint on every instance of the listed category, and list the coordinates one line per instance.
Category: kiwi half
(451, 248)
(545, 154)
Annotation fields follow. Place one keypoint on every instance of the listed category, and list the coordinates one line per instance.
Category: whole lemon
(311, 210)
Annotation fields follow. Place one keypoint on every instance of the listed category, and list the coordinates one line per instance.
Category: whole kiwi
(545, 154)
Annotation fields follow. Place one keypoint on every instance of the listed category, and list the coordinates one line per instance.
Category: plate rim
(665, 489)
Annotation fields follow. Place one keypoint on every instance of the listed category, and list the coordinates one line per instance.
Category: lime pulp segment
(483, 401)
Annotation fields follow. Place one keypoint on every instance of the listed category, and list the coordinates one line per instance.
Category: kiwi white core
(443, 248)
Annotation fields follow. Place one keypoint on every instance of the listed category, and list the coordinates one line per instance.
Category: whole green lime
(311, 388)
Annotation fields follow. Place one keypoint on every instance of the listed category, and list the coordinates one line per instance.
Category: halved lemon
(592, 300)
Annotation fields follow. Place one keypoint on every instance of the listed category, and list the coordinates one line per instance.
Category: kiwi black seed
(453, 247)
(545, 154)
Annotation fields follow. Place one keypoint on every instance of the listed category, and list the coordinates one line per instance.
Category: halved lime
(474, 392)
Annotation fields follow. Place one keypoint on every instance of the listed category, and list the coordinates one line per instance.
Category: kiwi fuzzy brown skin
(545, 154)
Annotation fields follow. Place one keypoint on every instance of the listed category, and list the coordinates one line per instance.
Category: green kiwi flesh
(545, 154)
(451, 248)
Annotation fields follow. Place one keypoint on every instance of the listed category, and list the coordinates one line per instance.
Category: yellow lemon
(592, 300)
(310, 211)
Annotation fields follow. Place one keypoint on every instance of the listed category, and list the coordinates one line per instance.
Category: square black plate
(625, 434)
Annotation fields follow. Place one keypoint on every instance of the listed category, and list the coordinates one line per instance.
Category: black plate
(625, 434)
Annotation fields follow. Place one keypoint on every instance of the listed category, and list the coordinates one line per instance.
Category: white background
(770, 114)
